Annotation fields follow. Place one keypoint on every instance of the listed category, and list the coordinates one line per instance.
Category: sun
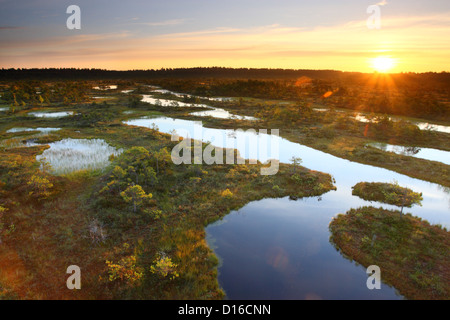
(383, 64)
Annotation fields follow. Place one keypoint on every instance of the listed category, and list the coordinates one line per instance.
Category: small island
(413, 255)
(389, 193)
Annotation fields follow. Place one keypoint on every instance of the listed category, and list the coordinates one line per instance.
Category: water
(70, 155)
(182, 95)
(164, 91)
(433, 127)
(362, 118)
(25, 141)
(104, 88)
(422, 125)
(212, 112)
(220, 113)
(171, 103)
(4, 109)
(51, 114)
(43, 130)
(22, 141)
(279, 249)
(223, 114)
(436, 202)
(102, 97)
(423, 153)
(221, 99)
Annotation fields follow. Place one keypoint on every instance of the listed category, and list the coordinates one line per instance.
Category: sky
(414, 35)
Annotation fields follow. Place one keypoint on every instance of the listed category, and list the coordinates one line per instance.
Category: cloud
(201, 33)
(173, 22)
(96, 39)
(417, 41)
(9, 28)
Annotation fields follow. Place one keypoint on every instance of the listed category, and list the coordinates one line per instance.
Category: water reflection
(220, 113)
(422, 125)
(44, 130)
(25, 141)
(423, 153)
(170, 103)
(213, 112)
(51, 114)
(347, 173)
(433, 127)
(104, 88)
(280, 249)
(189, 96)
(21, 141)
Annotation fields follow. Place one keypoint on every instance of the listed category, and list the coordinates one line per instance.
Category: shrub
(327, 132)
(125, 270)
(390, 193)
(136, 195)
(164, 267)
(227, 194)
(41, 187)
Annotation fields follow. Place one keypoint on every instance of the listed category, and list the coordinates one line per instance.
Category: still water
(423, 153)
(280, 249)
(422, 125)
(220, 113)
(213, 112)
(51, 114)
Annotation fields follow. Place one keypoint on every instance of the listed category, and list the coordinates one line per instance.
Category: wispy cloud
(9, 28)
(192, 34)
(173, 22)
(416, 41)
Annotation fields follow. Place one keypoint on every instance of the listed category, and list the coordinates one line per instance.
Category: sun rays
(383, 64)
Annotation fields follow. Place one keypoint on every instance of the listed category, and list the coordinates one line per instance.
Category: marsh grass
(390, 193)
(188, 198)
(69, 155)
(323, 132)
(412, 254)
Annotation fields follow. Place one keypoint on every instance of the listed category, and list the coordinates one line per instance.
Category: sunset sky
(138, 34)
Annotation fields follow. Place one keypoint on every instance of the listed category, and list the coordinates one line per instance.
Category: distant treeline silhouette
(432, 80)
(214, 72)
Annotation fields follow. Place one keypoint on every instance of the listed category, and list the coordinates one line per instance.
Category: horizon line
(219, 67)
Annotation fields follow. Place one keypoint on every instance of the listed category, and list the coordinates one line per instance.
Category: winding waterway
(280, 249)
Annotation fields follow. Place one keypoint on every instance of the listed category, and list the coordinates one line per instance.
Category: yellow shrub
(227, 194)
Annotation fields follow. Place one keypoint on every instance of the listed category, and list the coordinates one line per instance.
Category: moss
(390, 193)
(188, 199)
(196, 203)
(412, 254)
